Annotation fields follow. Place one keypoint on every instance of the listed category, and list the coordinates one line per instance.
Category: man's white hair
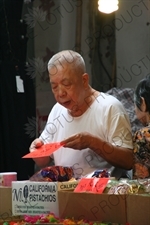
(67, 57)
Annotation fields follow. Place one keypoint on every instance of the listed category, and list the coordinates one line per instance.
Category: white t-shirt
(105, 118)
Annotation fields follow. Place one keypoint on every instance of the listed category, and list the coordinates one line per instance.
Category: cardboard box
(32, 198)
(93, 207)
(5, 203)
(138, 209)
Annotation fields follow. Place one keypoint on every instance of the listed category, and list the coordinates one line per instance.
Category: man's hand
(43, 161)
(79, 141)
(35, 145)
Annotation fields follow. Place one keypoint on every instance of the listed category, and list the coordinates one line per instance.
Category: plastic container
(7, 178)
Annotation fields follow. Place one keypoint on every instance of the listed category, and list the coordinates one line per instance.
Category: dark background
(15, 107)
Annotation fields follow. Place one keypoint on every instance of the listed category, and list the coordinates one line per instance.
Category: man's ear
(143, 105)
(85, 79)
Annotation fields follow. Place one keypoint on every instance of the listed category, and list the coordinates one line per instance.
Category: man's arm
(117, 156)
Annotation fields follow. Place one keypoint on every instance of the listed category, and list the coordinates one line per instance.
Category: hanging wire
(97, 26)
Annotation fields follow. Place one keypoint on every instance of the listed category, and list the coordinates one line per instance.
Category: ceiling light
(108, 6)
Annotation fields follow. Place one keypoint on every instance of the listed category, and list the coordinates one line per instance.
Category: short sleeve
(119, 131)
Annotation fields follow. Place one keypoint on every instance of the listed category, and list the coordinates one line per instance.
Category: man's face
(68, 87)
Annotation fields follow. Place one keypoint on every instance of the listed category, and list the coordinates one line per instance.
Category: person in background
(141, 138)
(92, 126)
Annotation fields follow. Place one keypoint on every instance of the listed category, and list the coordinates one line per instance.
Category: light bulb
(108, 6)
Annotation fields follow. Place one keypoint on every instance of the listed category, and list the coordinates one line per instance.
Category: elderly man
(93, 127)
